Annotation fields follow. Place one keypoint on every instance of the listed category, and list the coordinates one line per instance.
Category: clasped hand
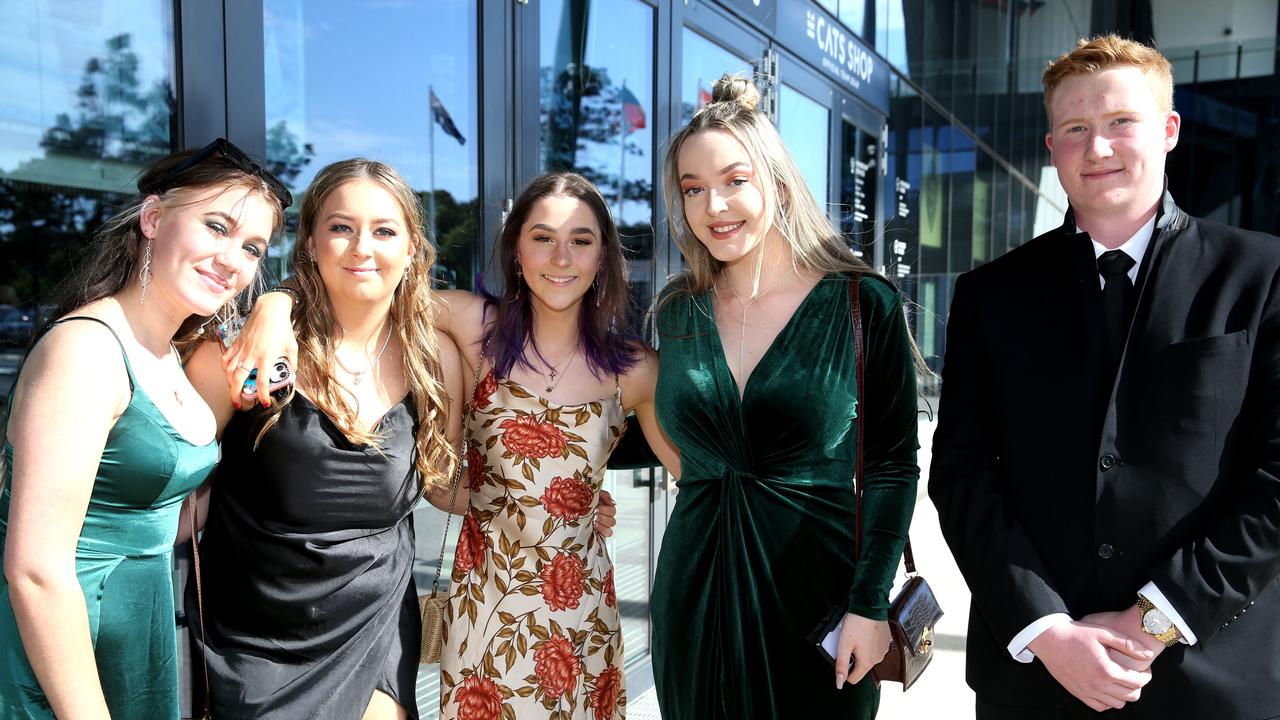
(1103, 660)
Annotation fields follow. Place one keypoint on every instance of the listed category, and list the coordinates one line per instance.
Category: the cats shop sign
(808, 31)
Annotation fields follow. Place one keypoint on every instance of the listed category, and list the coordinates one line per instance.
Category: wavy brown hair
(412, 317)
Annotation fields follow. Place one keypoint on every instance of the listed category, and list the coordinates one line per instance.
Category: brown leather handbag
(915, 612)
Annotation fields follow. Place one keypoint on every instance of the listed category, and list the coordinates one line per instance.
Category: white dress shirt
(1136, 248)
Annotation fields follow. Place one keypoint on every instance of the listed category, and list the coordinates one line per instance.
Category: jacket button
(1106, 462)
(1105, 551)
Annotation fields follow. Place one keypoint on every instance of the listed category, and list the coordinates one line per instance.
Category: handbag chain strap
(204, 645)
(855, 311)
(457, 480)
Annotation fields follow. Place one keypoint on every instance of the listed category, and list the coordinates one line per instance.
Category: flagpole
(431, 151)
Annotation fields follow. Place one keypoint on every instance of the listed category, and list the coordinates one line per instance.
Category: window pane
(596, 90)
(397, 85)
(859, 171)
(598, 120)
(88, 101)
(704, 63)
(803, 126)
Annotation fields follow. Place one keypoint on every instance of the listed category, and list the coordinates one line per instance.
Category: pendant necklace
(358, 375)
(552, 382)
(742, 329)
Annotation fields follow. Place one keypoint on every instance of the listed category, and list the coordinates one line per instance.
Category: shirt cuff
(1018, 647)
(1157, 598)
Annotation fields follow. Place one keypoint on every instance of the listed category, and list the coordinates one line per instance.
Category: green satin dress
(759, 547)
(124, 561)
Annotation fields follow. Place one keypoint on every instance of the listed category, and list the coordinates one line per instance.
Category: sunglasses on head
(236, 157)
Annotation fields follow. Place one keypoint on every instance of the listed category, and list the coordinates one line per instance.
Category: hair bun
(736, 89)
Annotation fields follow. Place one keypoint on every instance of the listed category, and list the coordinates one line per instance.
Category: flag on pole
(632, 111)
(704, 97)
(440, 115)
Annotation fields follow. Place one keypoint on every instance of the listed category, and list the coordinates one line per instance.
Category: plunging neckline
(741, 394)
(370, 431)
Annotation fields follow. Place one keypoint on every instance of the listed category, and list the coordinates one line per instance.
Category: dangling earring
(519, 279)
(145, 273)
(595, 285)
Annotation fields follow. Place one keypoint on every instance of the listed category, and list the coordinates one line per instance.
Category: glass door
(595, 88)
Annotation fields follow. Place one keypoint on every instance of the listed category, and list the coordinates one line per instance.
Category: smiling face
(206, 248)
(361, 243)
(1108, 141)
(559, 250)
(724, 203)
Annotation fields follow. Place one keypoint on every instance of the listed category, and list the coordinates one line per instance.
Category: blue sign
(811, 33)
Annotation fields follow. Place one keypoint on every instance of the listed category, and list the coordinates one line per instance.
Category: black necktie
(1117, 295)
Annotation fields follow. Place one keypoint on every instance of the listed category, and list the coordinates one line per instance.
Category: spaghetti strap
(128, 368)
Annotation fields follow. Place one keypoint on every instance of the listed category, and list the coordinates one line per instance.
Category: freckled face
(361, 242)
(205, 252)
(724, 204)
(1108, 142)
(560, 251)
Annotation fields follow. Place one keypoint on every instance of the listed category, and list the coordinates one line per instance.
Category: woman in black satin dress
(310, 608)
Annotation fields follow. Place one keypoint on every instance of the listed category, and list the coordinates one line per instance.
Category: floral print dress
(533, 629)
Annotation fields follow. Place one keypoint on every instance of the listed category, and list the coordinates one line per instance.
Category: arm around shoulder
(639, 386)
(454, 380)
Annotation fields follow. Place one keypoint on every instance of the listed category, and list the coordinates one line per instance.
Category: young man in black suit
(1107, 460)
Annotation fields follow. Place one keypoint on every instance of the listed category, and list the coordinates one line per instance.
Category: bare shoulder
(461, 304)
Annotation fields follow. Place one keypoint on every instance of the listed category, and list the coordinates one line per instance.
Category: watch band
(1169, 637)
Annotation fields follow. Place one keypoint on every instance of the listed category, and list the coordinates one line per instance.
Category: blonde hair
(790, 208)
(412, 318)
(1103, 53)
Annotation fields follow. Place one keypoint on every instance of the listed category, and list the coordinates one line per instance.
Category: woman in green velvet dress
(757, 388)
(106, 437)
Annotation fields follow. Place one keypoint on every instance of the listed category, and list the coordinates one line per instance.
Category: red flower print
(610, 597)
(476, 469)
(526, 436)
(604, 699)
(567, 498)
(562, 582)
(478, 698)
(484, 391)
(470, 551)
(556, 666)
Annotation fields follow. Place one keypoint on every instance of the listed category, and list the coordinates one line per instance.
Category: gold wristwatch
(1157, 624)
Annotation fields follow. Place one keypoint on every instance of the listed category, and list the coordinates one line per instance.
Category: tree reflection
(51, 205)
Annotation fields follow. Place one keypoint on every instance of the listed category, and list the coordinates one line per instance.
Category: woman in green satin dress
(757, 389)
(106, 437)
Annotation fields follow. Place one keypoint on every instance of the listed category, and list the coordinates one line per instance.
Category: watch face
(1155, 622)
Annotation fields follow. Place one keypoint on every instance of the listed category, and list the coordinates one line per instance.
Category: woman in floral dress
(534, 629)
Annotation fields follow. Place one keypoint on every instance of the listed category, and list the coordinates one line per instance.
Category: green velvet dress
(759, 547)
(124, 562)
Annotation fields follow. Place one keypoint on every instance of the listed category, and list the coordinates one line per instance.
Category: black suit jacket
(1064, 486)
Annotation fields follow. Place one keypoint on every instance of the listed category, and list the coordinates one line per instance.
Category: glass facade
(919, 123)
(88, 101)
